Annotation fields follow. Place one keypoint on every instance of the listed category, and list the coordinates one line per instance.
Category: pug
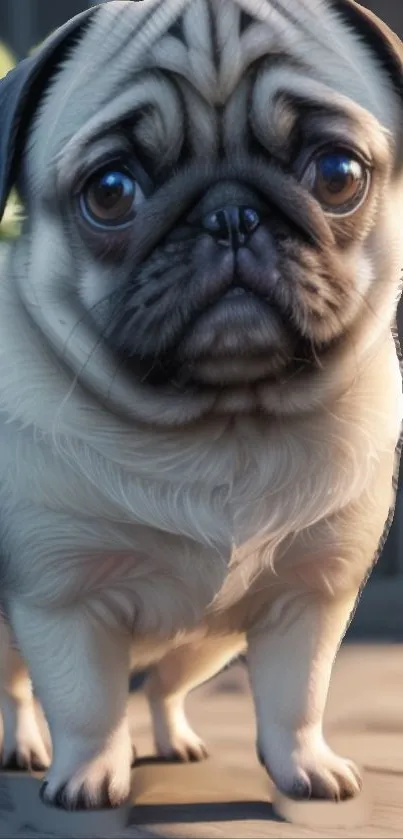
(200, 386)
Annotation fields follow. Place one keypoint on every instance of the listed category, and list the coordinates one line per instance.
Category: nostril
(250, 219)
(232, 226)
(217, 223)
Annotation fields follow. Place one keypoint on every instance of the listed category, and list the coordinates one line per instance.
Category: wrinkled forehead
(193, 58)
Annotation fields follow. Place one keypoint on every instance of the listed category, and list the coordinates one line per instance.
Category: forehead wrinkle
(274, 87)
(321, 39)
(116, 38)
(235, 128)
(149, 91)
(124, 37)
(133, 34)
(202, 121)
(165, 13)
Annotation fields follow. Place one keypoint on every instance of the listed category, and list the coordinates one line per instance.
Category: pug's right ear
(20, 92)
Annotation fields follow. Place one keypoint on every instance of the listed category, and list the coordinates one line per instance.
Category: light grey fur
(185, 522)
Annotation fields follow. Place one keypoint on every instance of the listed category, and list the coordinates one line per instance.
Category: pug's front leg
(80, 670)
(290, 666)
(23, 745)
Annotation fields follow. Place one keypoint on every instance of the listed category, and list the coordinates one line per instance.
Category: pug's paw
(98, 780)
(310, 770)
(23, 747)
(174, 737)
(184, 747)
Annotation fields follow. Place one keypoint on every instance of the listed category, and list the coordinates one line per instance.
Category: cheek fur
(97, 282)
(321, 291)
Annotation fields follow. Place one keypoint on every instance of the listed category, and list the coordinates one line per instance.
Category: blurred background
(23, 24)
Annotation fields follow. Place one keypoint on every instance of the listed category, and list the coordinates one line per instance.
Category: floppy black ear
(20, 92)
(384, 42)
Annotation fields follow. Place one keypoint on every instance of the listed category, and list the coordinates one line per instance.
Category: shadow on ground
(202, 813)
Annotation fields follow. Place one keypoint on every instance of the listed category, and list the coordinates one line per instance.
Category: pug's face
(220, 182)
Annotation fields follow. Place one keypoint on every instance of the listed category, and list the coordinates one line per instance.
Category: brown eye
(338, 181)
(110, 198)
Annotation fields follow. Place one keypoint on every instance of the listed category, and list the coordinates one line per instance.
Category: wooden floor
(230, 796)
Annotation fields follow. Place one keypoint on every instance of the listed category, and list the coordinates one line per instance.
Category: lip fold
(237, 326)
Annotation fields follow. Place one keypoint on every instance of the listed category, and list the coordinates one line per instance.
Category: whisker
(77, 377)
(113, 378)
(87, 314)
(149, 371)
(316, 358)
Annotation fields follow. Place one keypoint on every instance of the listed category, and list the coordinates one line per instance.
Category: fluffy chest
(159, 529)
(223, 491)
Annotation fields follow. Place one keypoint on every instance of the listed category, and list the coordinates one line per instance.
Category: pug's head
(213, 197)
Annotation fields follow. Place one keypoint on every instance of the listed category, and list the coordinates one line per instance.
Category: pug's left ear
(20, 92)
(385, 45)
(380, 38)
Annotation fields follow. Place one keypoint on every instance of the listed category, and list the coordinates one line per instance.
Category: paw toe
(182, 747)
(301, 788)
(19, 761)
(66, 797)
(326, 783)
(187, 753)
(315, 773)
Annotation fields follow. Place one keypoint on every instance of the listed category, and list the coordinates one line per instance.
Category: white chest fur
(164, 519)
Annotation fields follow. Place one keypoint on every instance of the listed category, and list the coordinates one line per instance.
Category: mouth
(236, 291)
(239, 340)
(225, 324)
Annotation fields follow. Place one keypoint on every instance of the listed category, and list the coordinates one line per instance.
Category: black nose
(231, 226)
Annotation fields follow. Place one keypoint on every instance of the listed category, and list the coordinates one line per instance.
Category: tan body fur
(131, 539)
